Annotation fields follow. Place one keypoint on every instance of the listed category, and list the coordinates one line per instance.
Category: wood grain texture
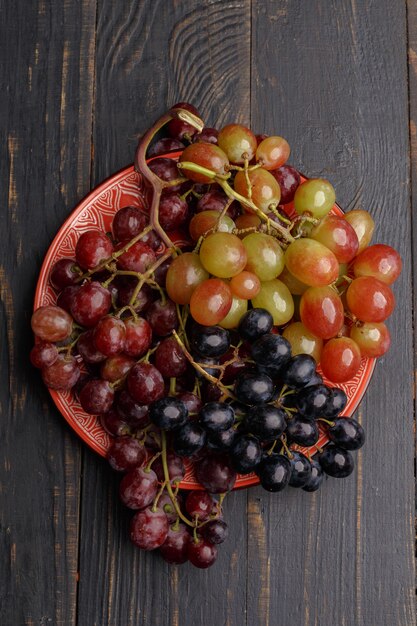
(323, 76)
(45, 121)
(149, 56)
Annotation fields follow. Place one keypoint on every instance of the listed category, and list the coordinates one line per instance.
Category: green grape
(265, 256)
(311, 262)
(238, 308)
(183, 276)
(238, 142)
(315, 196)
(275, 297)
(303, 341)
(265, 189)
(223, 255)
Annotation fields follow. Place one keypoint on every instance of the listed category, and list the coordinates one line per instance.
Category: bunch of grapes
(214, 353)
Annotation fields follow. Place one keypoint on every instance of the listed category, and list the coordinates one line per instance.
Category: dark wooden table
(80, 80)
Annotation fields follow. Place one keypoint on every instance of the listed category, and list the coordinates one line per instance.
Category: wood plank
(45, 121)
(324, 77)
(149, 56)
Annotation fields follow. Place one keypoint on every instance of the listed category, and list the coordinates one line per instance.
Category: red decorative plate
(126, 188)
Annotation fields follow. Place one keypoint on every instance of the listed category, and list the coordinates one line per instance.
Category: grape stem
(168, 482)
(225, 392)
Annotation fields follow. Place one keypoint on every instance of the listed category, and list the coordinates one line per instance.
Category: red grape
(109, 335)
(64, 274)
(138, 337)
(63, 374)
(321, 311)
(170, 359)
(92, 248)
(379, 261)
(149, 529)
(125, 453)
(90, 303)
(96, 396)
(340, 359)
(51, 323)
(128, 222)
(145, 383)
(43, 354)
(201, 554)
(207, 155)
(175, 547)
(184, 274)
(162, 317)
(373, 339)
(116, 367)
(369, 299)
(210, 302)
(138, 258)
(138, 488)
(337, 235)
(272, 152)
(238, 142)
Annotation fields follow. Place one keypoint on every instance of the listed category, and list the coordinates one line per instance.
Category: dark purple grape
(217, 416)
(346, 433)
(215, 531)
(300, 470)
(255, 323)
(274, 472)
(336, 461)
(215, 473)
(222, 440)
(336, 402)
(271, 351)
(316, 477)
(288, 179)
(311, 400)
(254, 388)
(246, 454)
(168, 413)
(299, 370)
(189, 439)
(266, 421)
(302, 431)
(210, 341)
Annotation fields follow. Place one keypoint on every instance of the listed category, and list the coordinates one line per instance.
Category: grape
(210, 341)
(271, 351)
(207, 221)
(340, 359)
(173, 210)
(66, 298)
(336, 403)
(180, 130)
(373, 339)
(207, 155)
(116, 367)
(272, 152)
(302, 340)
(166, 505)
(138, 258)
(370, 299)
(274, 472)
(51, 323)
(346, 433)
(246, 454)
(145, 383)
(316, 477)
(254, 388)
(189, 439)
(64, 274)
(217, 416)
(255, 323)
(162, 317)
(210, 301)
(127, 223)
(296, 287)
(215, 473)
(43, 354)
(288, 179)
(149, 529)
(126, 286)
(165, 145)
(379, 261)
(363, 225)
(222, 440)
(311, 262)
(302, 431)
(92, 248)
(138, 488)
(275, 297)
(125, 453)
(336, 462)
(337, 235)
(299, 370)
(168, 413)
(176, 468)
(223, 255)
(238, 142)
(184, 274)
(90, 303)
(312, 400)
(166, 170)
(215, 200)
(170, 359)
(266, 422)
(200, 504)
(133, 412)
(96, 396)
(175, 547)
(191, 401)
(87, 348)
(207, 135)
(300, 470)
(315, 196)
(109, 335)
(245, 285)
(265, 257)
(138, 337)
(236, 311)
(215, 531)
(264, 188)
(247, 220)
(62, 374)
(201, 554)
(321, 311)
(114, 424)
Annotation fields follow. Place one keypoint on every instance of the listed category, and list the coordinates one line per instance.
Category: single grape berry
(302, 431)
(255, 323)
(149, 529)
(217, 416)
(200, 504)
(215, 473)
(316, 477)
(347, 433)
(272, 351)
(246, 454)
(138, 488)
(201, 554)
(312, 400)
(189, 439)
(215, 531)
(336, 402)
(299, 370)
(336, 461)
(300, 470)
(168, 413)
(125, 453)
(222, 440)
(254, 388)
(210, 341)
(274, 472)
(266, 422)
(174, 549)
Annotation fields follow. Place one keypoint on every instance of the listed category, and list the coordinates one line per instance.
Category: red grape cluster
(210, 353)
